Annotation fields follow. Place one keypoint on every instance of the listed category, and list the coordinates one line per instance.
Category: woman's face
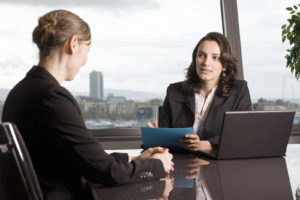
(208, 62)
(79, 59)
(84, 47)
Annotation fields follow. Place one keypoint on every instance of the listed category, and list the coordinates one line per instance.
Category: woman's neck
(55, 65)
(207, 87)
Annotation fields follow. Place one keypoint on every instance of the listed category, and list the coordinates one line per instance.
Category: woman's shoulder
(59, 92)
(42, 83)
(59, 103)
(44, 89)
(176, 87)
(177, 92)
(240, 82)
(239, 86)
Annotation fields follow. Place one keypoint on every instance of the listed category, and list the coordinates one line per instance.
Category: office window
(140, 47)
(272, 85)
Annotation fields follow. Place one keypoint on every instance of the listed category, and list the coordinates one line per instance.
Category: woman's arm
(74, 140)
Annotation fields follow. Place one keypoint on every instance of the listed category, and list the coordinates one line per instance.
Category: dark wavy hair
(192, 81)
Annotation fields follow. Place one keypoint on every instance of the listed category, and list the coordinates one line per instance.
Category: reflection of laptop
(259, 179)
(248, 134)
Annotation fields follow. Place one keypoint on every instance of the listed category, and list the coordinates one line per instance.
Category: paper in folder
(164, 137)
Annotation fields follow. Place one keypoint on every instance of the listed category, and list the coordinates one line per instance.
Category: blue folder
(180, 181)
(164, 137)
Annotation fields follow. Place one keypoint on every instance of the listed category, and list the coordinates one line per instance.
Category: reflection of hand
(166, 159)
(168, 187)
(193, 167)
(192, 142)
(152, 125)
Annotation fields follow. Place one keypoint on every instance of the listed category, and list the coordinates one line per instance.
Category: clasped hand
(158, 153)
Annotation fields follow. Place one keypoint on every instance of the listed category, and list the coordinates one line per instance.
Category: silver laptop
(252, 134)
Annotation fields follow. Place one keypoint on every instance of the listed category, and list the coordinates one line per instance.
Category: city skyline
(156, 43)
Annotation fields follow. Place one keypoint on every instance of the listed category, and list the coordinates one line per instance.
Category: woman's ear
(72, 44)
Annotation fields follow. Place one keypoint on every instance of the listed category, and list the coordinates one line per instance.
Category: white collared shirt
(202, 106)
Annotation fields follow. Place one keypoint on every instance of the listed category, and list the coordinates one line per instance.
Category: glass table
(201, 178)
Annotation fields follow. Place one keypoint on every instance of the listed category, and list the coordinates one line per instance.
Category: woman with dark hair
(209, 90)
(62, 149)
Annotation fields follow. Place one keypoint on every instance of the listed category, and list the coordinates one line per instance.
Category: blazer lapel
(213, 110)
(217, 102)
(185, 99)
(190, 102)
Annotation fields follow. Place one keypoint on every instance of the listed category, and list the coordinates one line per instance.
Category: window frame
(116, 138)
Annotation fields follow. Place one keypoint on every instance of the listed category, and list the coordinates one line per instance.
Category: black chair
(159, 113)
(17, 176)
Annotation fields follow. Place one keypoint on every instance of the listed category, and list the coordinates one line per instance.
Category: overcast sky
(146, 45)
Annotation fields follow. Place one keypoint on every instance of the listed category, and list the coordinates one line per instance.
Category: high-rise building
(96, 85)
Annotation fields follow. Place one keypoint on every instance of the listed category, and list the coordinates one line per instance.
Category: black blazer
(179, 109)
(62, 149)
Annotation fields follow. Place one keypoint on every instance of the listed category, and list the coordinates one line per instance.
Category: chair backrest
(159, 114)
(17, 176)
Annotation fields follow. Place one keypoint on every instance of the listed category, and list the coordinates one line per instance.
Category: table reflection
(259, 179)
(147, 190)
(198, 178)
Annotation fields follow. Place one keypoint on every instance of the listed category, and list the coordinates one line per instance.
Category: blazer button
(149, 174)
(146, 174)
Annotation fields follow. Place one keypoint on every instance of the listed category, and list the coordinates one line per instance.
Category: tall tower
(96, 85)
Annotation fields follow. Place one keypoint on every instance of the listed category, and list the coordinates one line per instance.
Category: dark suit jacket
(179, 109)
(61, 147)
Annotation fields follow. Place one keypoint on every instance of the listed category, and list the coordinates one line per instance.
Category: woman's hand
(166, 159)
(149, 152)
(192, 142)
(152, 125)
(157, 153)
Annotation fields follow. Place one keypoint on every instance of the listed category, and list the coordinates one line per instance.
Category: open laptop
(251, 134)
